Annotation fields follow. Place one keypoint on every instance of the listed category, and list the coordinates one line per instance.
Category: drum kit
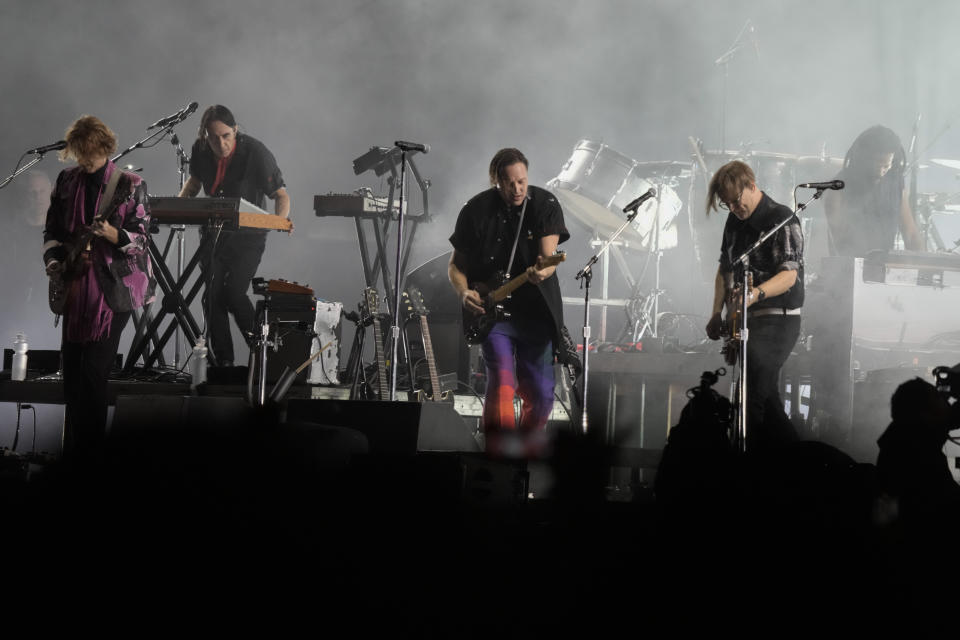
(597, 181)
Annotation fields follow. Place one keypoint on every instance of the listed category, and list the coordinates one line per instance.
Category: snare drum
(596, 182)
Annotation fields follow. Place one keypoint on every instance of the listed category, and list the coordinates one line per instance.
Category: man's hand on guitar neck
(538, 273)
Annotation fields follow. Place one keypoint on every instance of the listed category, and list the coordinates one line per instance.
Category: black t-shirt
(484, 234)
(781, 252)
(868, 217)
(252, 174)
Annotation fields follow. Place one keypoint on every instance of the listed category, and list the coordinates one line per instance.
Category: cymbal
(593, 215)
(947, 162)
(818, 161)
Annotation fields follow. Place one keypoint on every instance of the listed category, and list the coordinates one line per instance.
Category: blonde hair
(732, 177)
(88, 136)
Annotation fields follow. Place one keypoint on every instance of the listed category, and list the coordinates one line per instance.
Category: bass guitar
(477, 327)
(413, 304)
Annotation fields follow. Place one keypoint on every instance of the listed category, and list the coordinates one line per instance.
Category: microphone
(56, 146)
(833, 184)
(179, 116)
(639, 201)
(412, 146)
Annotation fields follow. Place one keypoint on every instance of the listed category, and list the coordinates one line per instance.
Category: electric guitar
(78, 250)
(477, 327)
(413, 304)
(370, 303)
(731, 325)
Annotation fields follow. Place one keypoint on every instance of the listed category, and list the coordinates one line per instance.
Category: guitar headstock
(370, 301)
(555, 259)
(413, 303)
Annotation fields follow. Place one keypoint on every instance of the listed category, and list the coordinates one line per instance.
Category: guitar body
(59, 286)
(476, 328)
(731, 330)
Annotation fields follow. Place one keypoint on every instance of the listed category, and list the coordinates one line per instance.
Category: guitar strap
(516, 238)
(108, 194)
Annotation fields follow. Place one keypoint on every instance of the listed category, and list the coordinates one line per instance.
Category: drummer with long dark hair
(227, 163)
(872, 208)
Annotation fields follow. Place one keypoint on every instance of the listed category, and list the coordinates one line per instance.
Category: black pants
(771, 340)
(86, 368)
(234, 265)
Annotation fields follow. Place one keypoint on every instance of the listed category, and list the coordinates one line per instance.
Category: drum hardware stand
(617, 253)
(724, 62)
(742, 265)
(653, 298)
(586, 275)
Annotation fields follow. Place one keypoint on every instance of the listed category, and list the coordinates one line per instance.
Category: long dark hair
(214, 113)
(875, 141)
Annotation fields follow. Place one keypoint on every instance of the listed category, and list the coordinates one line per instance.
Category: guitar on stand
(371, 303)
(477, 327)
(413, 304)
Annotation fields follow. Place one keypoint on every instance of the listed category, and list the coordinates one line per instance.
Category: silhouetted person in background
(911, 466)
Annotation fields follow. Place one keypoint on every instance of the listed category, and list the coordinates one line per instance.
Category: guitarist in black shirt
(774, 299)
(509, 231)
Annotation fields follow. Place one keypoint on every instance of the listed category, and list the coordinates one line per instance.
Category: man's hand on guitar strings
(105, 230)
(715, 326)
(471, 301)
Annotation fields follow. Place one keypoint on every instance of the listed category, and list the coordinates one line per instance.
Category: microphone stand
(397, 276)
(13, 175)
(177, 230)
(743, 264)
(724, 61)
(586, 275)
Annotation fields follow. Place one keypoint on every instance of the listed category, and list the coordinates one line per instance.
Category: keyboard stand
(174, 302)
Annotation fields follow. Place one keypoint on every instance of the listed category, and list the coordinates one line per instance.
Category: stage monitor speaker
(160, 411)
(397, 428)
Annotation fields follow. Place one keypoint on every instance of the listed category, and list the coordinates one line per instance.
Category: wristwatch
(761, 294)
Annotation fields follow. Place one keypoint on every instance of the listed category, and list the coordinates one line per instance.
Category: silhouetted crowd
(263, 518)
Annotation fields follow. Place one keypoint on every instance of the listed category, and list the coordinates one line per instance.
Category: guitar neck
(501, 293)
(431, 361)
(382, 385)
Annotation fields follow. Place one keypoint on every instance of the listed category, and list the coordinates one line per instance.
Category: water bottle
(198, 370)
(19, 367)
